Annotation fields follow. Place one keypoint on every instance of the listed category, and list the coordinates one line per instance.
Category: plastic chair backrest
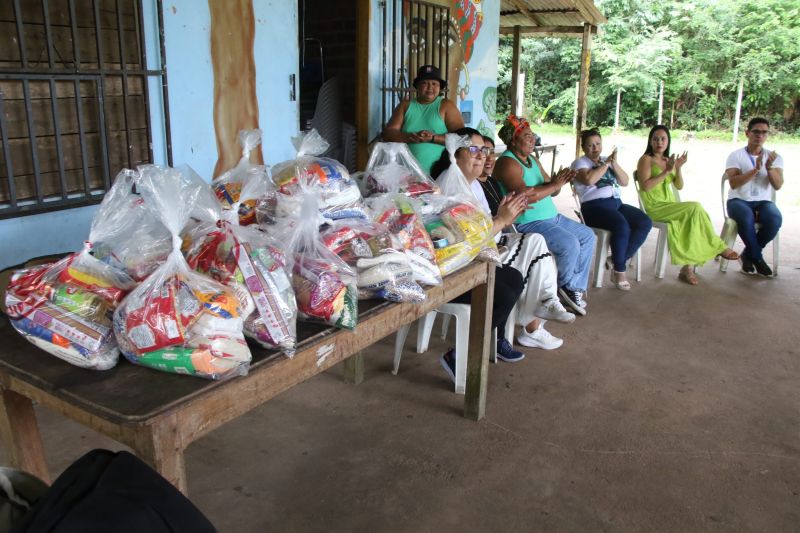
(578, 211)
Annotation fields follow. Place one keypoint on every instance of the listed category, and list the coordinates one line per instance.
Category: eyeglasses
(759, 132)
(474, 151)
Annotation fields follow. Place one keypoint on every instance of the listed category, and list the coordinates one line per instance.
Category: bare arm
(645, 167)
(775, 175)
(452, 118)
(392, 131)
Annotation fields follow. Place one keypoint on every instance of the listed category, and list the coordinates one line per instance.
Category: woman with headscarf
(422, 122)
(569, 241)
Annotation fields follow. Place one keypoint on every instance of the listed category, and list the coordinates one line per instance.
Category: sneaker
(505, 352)
(539, 338)
(747, 265)
(553, 310)
(448, 362)
(574, 299)
(762, 268)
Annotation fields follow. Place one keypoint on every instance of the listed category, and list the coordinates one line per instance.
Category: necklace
(488, 188)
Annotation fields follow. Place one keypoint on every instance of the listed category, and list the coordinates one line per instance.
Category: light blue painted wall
(191, 86)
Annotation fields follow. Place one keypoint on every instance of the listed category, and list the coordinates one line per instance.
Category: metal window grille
(74, 100)
(415, 33)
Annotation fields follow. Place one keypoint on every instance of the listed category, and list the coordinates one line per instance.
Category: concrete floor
(669, 408)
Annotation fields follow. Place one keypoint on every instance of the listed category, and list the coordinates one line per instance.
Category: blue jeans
(746, 214)
(571, 243)
(628, 225)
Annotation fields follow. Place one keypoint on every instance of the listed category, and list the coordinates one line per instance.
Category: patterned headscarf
(511, 128)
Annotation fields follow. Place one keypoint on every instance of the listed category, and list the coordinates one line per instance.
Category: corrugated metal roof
(544, 14)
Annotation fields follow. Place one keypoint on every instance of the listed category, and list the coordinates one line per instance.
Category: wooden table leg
(159, 446)
(20, 433)
(353, 371)
(480, 324)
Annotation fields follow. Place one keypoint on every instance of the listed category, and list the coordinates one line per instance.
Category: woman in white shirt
(526, 253)
(597, 183)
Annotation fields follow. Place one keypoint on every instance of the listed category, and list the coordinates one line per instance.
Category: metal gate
(415, 33)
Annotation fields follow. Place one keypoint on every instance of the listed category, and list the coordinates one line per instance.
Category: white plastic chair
(461, 312)
(601, 249)
(730, 231)
(662, 250)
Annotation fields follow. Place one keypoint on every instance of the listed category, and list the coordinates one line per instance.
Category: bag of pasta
(229, 185)
(325, 286)
(392, 168)
(66, 307)
(251, 263)
(178, 320)
(337, 194)
(383, 269)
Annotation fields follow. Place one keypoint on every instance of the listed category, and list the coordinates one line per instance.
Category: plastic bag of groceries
(383, 270)
(399, 215)
(325, 286)
(392, 168)
(460, 229)
(66, 307)
(252, 263)
(229, 185)
(338, 195)
(177, 320)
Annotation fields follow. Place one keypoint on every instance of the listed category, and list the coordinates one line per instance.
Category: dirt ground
(669, 408)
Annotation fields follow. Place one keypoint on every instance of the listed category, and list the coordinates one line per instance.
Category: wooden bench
(158, 414)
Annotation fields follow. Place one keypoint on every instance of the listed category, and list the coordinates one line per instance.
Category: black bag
(108, 491)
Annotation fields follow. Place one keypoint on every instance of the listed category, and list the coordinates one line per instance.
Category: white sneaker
(553, 310)
(540, 338)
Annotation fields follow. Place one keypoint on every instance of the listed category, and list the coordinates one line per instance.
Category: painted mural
(470, 37)
(233, 35)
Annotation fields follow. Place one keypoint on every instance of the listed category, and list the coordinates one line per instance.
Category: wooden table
(158, 414)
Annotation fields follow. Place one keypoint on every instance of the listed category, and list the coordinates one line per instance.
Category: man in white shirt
(754, 173)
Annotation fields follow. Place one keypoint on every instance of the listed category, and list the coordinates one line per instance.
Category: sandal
(688, 276)
(729, 254)
(623, 285)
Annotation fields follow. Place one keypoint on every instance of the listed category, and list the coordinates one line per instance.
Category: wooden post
(480, 335)
(660, 102)
(515, 71)
(583, 86)
(362, 82)
(575, 112)
(22, 439)
(738, 111)
(353, 369)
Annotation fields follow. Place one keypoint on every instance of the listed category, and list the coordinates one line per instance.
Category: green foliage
(700, 49)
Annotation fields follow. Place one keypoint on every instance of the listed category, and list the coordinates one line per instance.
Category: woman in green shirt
(422, 122)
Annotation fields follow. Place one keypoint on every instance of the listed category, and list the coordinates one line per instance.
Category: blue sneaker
(505, 352)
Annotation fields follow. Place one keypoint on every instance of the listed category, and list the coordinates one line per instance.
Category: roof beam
(589, 12)
(526, 12)
(545, 31)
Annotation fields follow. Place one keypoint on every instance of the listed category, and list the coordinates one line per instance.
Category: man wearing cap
(754, 174)
(422, 122)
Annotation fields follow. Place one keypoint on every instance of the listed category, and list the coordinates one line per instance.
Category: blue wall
(191, 86)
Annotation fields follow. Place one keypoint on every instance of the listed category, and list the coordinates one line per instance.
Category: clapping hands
(511, 206)
(676, 162)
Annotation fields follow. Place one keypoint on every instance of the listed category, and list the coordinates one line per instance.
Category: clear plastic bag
(461, 230)
(251, 263)
(398, 213)
(392, 168)
(383, 269)
(228, 186)
(177, 320)
(65, 307)
(325, 286)
(338, 196)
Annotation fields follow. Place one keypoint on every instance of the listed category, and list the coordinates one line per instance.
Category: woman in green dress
(424, 121)
(690, 235)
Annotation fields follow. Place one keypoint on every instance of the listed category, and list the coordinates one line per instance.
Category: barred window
(74, 100)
